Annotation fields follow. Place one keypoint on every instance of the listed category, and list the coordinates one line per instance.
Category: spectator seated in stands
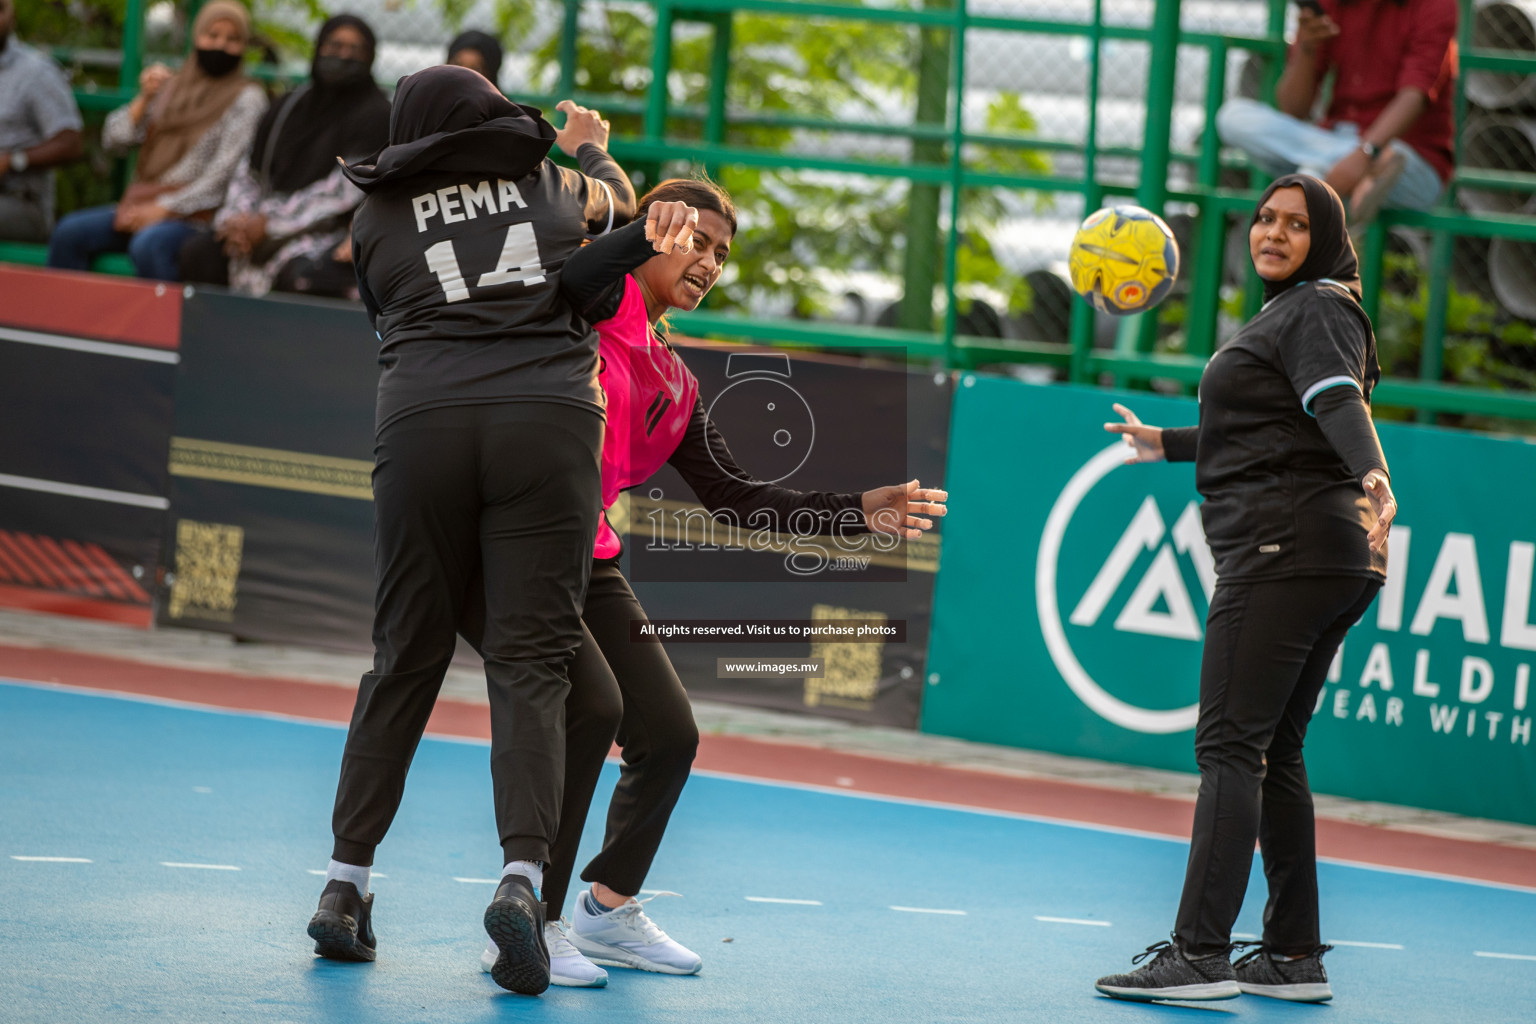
(39, 129)
(1387, 135)
(194, 126)
(478, 51)
(286, 219)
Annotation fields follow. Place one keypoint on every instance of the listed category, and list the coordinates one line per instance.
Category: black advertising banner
(85, 412)
(810, 423)
(271, 525)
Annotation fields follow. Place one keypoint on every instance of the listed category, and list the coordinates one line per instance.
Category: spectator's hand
(1145, 442)
(152, 78)
(242, 232)
(670, 225)
(1346, 175)
(581, 127)
(1312, 30)
(343, 251)
(131, 219)
(900, 509)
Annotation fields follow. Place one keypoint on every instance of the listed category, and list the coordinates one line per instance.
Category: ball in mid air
(1124, 260)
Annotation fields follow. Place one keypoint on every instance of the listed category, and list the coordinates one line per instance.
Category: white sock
(529, 869)
(354, 873)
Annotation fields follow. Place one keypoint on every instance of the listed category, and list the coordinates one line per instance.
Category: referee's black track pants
(628, 689)
(508, 493)
(1268, 646)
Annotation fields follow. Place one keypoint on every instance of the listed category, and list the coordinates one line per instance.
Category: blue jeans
(1280, 144)
(86, 234)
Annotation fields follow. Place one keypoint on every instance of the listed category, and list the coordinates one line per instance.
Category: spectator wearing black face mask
(285, 220)
(192, 127)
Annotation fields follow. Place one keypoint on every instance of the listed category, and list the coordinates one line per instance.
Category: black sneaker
(1300, 981)
(342, 928)
(1172, 975)
(515, 922)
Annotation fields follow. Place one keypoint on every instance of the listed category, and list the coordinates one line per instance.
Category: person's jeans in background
(85, 234)
(1280, 144)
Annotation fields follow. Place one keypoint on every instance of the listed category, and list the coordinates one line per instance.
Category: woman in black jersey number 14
(1297, 508)
(488, 438)
(669, 258)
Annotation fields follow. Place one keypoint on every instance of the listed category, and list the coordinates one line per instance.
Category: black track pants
(1268, 646)
(629, 690)
(507, 493)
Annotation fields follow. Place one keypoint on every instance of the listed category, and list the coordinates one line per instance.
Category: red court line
(793, 763)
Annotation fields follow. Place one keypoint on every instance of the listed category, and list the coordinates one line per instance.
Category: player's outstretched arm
(904, 509)
(1144, 441)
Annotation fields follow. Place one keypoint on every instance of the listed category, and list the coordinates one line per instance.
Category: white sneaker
(625, 937)
(566, 964)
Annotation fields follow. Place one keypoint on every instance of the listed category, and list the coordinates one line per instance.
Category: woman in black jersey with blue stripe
(1296, 512)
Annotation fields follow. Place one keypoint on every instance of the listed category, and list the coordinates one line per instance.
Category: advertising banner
(1071, 610)
(85, 410)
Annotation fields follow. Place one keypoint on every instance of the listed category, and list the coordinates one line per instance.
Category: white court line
(1505, 956)
(27, 483)
(928, 910)
(53, 860)
(1073, 920)
(321, 872)
(1364, 945)
(1249, 936)
(201, 867)
(479, 881)
(776, 899)
(100, 348)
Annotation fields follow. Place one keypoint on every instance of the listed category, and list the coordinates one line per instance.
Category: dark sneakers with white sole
(1298, 981)
(515, 923)
(1172, 975)
(343, 927)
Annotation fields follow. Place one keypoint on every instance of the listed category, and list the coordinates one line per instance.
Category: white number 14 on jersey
(519, 262)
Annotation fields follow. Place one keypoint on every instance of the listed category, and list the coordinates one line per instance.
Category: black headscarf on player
(1332, 254)
(449, 118)
(300, 136)
(485, 45)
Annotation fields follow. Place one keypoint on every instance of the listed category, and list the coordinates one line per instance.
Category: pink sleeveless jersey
(650, 395)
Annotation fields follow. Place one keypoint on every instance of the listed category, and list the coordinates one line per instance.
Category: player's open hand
(1378, 491)
(1145, 442)
(901, 509)
(582, 125)
(670, 226)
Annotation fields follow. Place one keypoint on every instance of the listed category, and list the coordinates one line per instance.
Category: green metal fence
(679, 102)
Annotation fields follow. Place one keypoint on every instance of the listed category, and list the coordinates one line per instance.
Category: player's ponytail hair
(699, 193)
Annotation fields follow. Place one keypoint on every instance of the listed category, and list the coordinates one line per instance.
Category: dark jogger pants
(507, 493)
(1268, 646)
(630, 690)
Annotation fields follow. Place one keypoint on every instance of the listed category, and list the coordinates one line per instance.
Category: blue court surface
(193, 839)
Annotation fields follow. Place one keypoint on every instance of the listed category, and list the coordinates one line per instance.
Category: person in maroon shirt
(1386, 139)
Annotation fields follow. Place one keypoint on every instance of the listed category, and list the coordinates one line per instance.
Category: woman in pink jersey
(623, 283)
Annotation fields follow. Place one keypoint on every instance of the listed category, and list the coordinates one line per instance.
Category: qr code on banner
(207, 570)
(852, 676)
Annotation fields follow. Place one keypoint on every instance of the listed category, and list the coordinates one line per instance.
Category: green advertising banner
(1071, 606)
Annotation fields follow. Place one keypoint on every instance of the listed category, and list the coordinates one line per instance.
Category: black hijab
(300, 137)
(449, 118)
(1332, 254)
(485, 45)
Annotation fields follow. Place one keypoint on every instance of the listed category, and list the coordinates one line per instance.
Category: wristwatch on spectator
(19, 160)
(1370, 149)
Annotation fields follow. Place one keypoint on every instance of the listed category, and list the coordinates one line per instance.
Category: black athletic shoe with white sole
(1172, 975)
(343, 927)
(1299, 981)
(515, 922)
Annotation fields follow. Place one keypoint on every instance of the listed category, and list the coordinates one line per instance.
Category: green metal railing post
(719, 79)
(1253, 286)
(133, 45)
(920, 256)
(1082, 313)
(1432, 354)
(1210, 245)
(661, 67)
(569, 27)
(956, 179)
(1371, 271)
(1138, 333)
